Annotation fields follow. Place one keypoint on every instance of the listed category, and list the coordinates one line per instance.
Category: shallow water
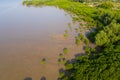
(28, 34)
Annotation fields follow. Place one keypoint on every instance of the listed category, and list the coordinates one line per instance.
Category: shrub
(76, 29)
(106, 5)
(65, 50)
(66, 35)
(43, 61)
(61, 74)
(68, 66)
(86, 41)
(77, 41)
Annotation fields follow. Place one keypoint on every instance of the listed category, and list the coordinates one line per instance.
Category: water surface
(28, 34)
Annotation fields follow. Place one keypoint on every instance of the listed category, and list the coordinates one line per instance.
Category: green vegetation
(66, 31)
(65, 50)
(43, 61)
(101, 38)
(102, 62)
(61, 74)
(70, 26)
(80, 38)
(76, 30)
(77, 41)
(61, 56)
(66, 34)
(106, 5)
(86, 41)
(89, 50)
(101, 66)
(69, 66)
(108, 35)
(62, 61)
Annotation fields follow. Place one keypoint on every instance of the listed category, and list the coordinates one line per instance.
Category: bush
(77, 41)
(61, 74)
(106, 5)
(76, 30)
(43, 61)
(65, 50)
(86, 41)
(68, 66)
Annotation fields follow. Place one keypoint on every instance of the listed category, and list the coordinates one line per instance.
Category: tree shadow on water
(28, 78)
(43, 78)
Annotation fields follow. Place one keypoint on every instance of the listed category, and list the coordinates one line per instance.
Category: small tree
(43, 61)
(59, 61)
(61, 74)
(70, 26)
(69, 66)
(86, 42)
(66, 35)
(66, 31)
(61, 55)
(76, 29)
(65, 50)
(87, 49)
(77, 41)
(106, 5)
(101, 38)
(64, 61)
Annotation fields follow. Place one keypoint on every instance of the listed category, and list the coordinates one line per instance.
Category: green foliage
(87, 49)
(117, 17)
(43, 61)
(75, 19)
(61, 56)
(106, 5)
(100, 66)
(65, 50)
(91, 36)
(70, 26)
(101, 38)
(86, 41)
(66, 31)
(69, 66)
(62, 61)
(66, 35)
(81, 37)
(61, 74)
(77, 41)
(92, 50)
(76, 29)
(110, 34)
(105, 17)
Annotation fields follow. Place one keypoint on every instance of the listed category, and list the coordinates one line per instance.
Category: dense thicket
(104, 65)
(106, 5)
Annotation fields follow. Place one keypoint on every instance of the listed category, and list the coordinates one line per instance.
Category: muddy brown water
(28, 34)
